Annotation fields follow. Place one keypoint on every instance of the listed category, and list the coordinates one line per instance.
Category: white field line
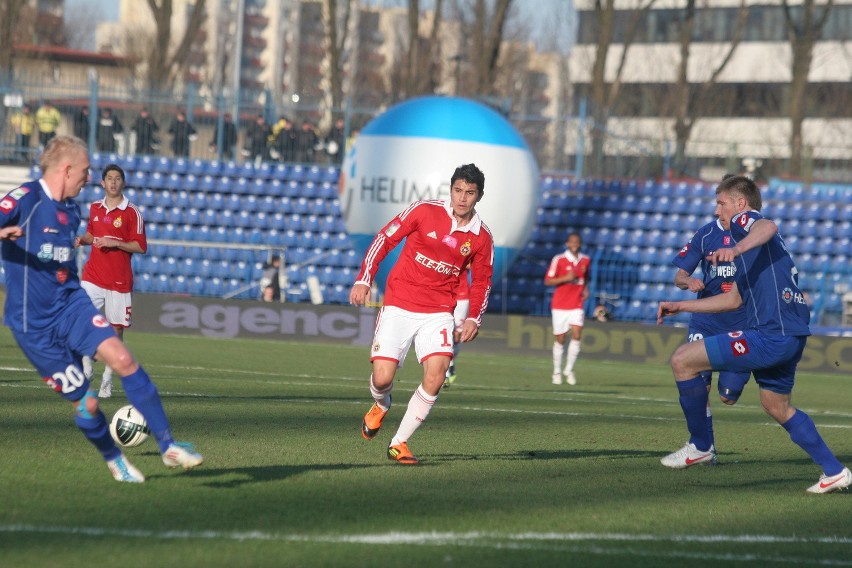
(595, 542)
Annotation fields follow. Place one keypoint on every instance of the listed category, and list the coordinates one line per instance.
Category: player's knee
(728, 401)
(87, 407)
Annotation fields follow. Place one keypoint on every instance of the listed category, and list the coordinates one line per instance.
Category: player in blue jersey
(770, 346)
(716, 279)
(51, 316)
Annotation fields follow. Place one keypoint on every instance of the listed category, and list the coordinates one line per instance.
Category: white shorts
(460, 313)
(564, 320)
(116, 306)
(396, 328)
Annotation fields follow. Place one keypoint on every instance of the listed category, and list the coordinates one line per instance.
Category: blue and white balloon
(410, 152)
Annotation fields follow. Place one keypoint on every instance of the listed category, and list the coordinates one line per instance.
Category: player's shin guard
(419, 408)
(143, 394)
(803, 432)
(96, 430)
(693, 400)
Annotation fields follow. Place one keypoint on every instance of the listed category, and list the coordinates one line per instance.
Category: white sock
(573, 351)
(558, 350)
(87, 367)
(382, 397)
(107, 373)
(418, 409)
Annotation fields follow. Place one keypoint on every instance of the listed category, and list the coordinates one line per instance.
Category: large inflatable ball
(410, 152)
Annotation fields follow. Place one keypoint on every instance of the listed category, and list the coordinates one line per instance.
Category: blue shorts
(731, 383)
(772, 359)
(57, 351)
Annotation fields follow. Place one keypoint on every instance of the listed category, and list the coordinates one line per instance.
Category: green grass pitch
(515, 471)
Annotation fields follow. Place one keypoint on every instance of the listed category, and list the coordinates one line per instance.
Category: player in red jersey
(442, 239)
(569, 272)
(459, 315)
(115, 231)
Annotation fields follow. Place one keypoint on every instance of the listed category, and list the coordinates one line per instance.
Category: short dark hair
(113, 168)
(743, 186)
(471, 174)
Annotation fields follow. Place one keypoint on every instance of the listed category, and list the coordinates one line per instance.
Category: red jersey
(569, 296)
(110, 268)
(425, 279)
(463, 291)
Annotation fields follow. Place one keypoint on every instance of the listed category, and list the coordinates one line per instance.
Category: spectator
(48, 119)
(182, 134)
(307, 141)
(109, 126)
(256, 139)
(335, 141)
(23, 122)
(229, 137)
(287, 143)
(270, 286)
(81, 124)
(146, 129)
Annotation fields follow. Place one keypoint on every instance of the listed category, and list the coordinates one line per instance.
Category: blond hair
(61, 148)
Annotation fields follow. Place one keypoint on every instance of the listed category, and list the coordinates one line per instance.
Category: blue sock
(96, 430)
(804, 433)
(693, 401)
(707, 377)
(142, 394)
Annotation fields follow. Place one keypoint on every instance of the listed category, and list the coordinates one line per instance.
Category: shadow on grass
(236, 477)
(548, 455)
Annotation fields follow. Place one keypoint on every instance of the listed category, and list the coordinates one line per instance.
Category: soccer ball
(128, 427)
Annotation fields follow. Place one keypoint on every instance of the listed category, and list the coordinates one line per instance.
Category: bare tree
(488, 38)
(604, 95)
(10, 15)
(163, 67)
(412, 55)
(689, 99)
(803, 34)
(336, 33)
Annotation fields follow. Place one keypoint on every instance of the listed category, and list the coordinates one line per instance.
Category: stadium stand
(212, 225)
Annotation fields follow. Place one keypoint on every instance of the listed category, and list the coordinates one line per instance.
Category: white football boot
(182, 454)
(122, 470)
(689, 455)
(827, 484)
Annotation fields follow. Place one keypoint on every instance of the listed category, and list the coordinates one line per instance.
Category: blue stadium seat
(297, 173)
(163, 165)
(245, 219)
(207, 183)
(241, 185)
(138, 179)
(196, 285)
(232, 201)
(214, 287)
(267, 204)
(225, 218)
(145, 163)
(143, 282)
(331, 175)
(280, 172)
(156, 180)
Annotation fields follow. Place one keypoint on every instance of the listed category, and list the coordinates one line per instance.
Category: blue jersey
(717, 279)
(768, 283)
(41, 272)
